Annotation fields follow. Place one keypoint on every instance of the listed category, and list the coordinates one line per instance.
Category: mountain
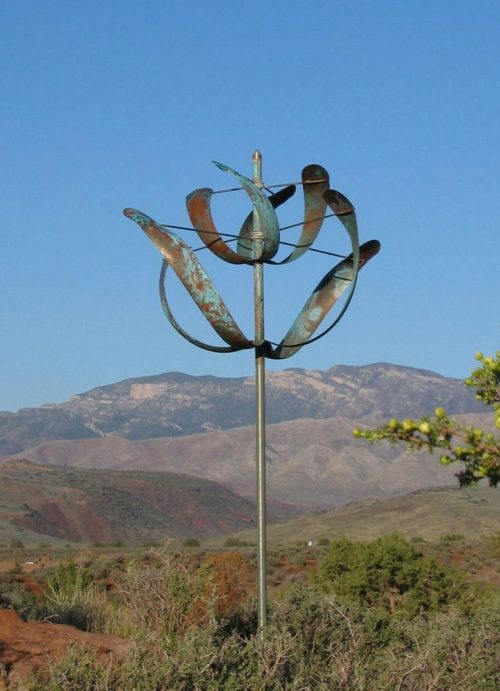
(83, 505)
(316, 463)
(174, 404)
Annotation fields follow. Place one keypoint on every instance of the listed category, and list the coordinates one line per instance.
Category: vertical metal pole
(260, 395)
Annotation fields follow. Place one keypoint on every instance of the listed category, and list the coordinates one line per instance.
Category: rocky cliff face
(174, 404)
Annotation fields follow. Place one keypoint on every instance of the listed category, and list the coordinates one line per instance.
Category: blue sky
(113, 104)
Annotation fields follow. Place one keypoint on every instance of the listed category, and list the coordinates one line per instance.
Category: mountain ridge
(202, 428)
(177, 404)
(315, 463)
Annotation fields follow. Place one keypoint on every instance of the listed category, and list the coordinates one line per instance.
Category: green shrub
(452, 537)
(493, 545)
(161, 601)
(233, 542)
(191, 542)
(391, 573)
(312, 641)
(380, 616)
(72, 597)
(14, 596)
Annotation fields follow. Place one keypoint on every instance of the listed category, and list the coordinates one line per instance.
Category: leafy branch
(476, 449)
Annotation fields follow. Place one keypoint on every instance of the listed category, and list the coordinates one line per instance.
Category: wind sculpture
(257, 244)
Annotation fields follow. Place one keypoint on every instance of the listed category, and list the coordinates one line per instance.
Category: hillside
(174, 404)
(428, 514)
(316, 463)
(72, 504)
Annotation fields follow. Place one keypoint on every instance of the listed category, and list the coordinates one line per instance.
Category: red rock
(30, 585)
(27, 647)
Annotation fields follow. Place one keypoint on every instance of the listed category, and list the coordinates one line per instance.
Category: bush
(313, 641)
(191, 542)
(71, 597)
(452, 537)
(14, 596)
(390, 573)
(162, 602)
(234, 542)
(493, 545)
(380, 616)
(230, 578)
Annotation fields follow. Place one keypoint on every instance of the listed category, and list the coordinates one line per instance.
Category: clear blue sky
(125, 103)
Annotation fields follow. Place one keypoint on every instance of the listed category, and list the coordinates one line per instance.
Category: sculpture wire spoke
(273, 186)
(235, 238)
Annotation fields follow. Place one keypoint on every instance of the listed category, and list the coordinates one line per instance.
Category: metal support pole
(260, 395)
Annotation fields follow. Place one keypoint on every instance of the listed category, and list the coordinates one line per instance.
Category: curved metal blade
(245, 241)
(194, 278)
(198, 208)
(316, 182)
(173, 321)
(324, 296)
(343, 209)
(265, 218)
(199, 211)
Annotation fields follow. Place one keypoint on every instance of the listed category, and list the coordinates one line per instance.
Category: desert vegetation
(389, 613)
(475, 450)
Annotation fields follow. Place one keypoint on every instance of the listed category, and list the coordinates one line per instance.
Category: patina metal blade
(312, 313)
(324, 296)
(198, 208)
(173, 321)
(264, 216)
(194, 278)
(198, 205)
(315, 182)
(245, 242)
(343, 209)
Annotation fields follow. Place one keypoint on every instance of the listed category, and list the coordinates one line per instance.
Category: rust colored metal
(320, 302)
(198, 208)
(315, 183)
(194, 278)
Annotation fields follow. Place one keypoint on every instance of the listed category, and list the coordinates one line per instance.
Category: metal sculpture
(257, 244)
